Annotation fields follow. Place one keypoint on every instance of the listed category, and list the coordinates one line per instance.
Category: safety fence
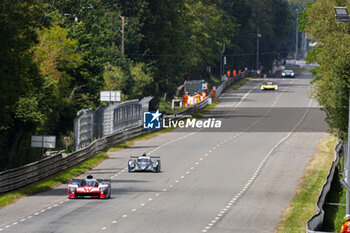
(19, 177)
(105, 120)
(314, 225)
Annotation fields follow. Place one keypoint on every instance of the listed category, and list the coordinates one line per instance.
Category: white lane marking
(142, 204)
(114, 222)
(170, 185)
(36, 213)
(157, 194)
(250, 181)
(55, 205)
(22, 220)
(1, 229)
(29, 216)
(192, 168)
(187, 172)
(124, 216)
(164, 190)
(104, 228)
(182, 177)
(133, 210)
(196, 163)
(7, 226)
(15, 223)
(201, 159)
(150, 199)
(177, 181)
(206, 155)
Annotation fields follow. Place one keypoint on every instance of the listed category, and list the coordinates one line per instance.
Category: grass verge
(165, 106)
(302, 207)
(238, 84)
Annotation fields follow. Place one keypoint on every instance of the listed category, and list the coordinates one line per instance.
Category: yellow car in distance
(269, 86)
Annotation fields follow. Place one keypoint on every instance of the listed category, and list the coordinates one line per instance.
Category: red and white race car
(89, 187)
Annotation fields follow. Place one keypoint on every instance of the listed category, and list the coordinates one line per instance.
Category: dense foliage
(56, 55)
(331, 80)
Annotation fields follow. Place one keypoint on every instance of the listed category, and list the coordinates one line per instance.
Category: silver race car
(144, 163)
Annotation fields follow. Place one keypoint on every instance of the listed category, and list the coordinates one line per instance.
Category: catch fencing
(19, 177)
(105, 120)
(314, 225)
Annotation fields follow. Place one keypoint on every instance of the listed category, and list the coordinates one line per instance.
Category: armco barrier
(30, 173)
(315, 223)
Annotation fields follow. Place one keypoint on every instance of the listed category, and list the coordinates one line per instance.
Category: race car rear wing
(104, 180)
(98, 180)
(152, 157)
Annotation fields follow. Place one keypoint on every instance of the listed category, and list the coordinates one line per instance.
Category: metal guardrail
(30, 173)
(315, 223)
(19, 177)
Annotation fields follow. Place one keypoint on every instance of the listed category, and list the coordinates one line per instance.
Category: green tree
(331, 78)
(20, 79)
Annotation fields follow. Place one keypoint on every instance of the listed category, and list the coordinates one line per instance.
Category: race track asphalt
(235, 179)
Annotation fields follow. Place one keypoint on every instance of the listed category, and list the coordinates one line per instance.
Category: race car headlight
(131, 163)
(283, 74)
(155, 163)
(72, 190)
(292, 74)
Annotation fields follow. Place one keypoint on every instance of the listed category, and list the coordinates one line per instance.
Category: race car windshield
(268, 83)
(91, 183)
(143, 160)
(288, 71)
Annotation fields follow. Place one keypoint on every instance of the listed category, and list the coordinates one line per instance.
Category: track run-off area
(238, 178)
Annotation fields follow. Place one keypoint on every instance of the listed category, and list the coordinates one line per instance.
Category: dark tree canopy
(56, 56)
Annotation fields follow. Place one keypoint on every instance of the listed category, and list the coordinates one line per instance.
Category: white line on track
(262, 163)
